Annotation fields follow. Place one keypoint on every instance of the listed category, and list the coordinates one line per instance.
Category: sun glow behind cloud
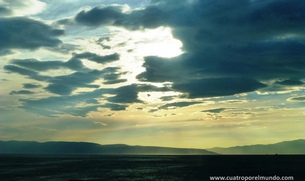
(214, 78)
(157, 42)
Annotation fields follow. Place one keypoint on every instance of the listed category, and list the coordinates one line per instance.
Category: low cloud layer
(25, 33)
(83, 77)
(97, 58)
(230, 47)
(239, 43)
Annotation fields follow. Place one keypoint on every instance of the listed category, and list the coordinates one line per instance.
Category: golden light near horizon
(121, 68)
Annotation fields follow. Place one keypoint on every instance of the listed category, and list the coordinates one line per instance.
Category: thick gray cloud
(25, 92)
(231, 46)
(150, 17)
(5, 11)
(31, 86)
(73, 64)
(57, 105)
(291, 82)
(27, 33)
(178, 105)
(112, 75)
(25, 71)
(4, 52)
(126, 94)
(129, 93)
(217, 87)
(163, 69)
(64, 85)
(62, 104)
(100, 16)
(115, 81)
(216, 110)
(97, 58)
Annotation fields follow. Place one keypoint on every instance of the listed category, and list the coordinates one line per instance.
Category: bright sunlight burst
(157, 42)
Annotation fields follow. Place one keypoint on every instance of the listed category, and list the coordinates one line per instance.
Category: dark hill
(286, 147)
(26, 147)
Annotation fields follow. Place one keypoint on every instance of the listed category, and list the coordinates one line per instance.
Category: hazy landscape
(83, 161)
(16, 147)
(151, 89)
(27, 147)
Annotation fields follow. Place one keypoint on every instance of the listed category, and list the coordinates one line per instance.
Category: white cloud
(22, 7)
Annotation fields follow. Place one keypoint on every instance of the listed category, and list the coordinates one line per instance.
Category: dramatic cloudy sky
(192, 73)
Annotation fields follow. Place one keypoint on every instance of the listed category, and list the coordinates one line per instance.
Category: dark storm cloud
(27, 33)
(116, 107)
(150, 17)
(99, 16)
(5, 52)
(217, 87)
(178, 105)
(129, 93)
(74, 64)
(62, 104)
(271, 60)
(238, 20)
(57, 105)
(27, 72)
(31, 86)
(115, 81)
(231, 46)
(62, 85)
(162, 69)
(126, 94)
(5, 11)
(66, 84)
(112, 75)
(24, 92)
(217, 110)
(290, 82)
(37, 65)
(168, 98)
(97, 58)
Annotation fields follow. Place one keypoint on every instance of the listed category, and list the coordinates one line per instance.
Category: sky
(191, 74)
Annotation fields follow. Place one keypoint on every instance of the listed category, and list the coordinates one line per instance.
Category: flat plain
(141, 167)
